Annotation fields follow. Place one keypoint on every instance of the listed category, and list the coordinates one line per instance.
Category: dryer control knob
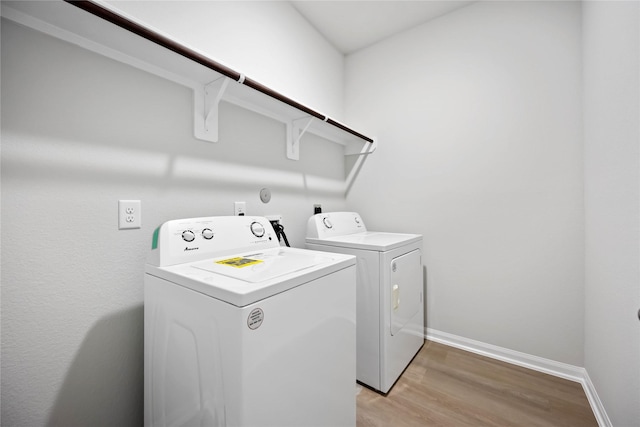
(327, 223)
(188, 236)
(207, 233)
(257, 229)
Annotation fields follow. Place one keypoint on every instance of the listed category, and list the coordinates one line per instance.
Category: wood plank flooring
(445, 386)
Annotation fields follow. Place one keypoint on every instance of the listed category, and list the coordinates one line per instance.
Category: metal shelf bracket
(206, 108)
(295, 129)
(357, 149)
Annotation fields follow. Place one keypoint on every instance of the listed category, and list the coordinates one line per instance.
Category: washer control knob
(327, 223)
(257, 229)
(207, 233)
(188, 236)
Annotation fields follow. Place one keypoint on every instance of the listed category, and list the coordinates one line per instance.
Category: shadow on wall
(104, 386)
(124, 125)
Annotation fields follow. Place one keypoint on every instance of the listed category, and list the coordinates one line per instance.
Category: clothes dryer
(242, 332)
(389, 290)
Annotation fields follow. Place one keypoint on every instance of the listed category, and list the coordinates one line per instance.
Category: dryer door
(406, 289)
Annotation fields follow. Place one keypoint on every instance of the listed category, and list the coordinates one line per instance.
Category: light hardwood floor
(445, 386)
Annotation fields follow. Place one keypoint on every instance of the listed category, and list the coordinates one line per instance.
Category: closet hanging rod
(122, 22)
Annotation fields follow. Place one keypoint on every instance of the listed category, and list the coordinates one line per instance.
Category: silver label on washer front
(255, 318)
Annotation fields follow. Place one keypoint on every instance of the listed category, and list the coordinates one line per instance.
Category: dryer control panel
(324, 225)
(193, 239)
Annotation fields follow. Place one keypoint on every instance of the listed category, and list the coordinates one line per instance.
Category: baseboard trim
(540, 364)
(595, 402)
(525, 360)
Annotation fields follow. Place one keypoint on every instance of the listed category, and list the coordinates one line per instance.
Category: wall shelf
(100, 28)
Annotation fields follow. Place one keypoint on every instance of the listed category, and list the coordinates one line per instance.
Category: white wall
(478, 114)
(268, 41)
(612, 202)
(80, 132)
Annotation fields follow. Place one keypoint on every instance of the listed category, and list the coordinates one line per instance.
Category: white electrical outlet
(129, 214)
(240, 208)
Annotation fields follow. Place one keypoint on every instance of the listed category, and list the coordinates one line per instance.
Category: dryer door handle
(396, 296)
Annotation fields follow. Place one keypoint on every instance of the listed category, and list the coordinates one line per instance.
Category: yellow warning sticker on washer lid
(239, 262)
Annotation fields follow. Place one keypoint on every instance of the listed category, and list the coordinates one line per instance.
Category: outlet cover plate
(129, 214)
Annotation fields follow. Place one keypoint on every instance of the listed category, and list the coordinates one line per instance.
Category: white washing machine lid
(242, 279)
(369, 240)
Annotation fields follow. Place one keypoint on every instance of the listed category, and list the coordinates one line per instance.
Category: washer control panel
(333, 224)
(193, 239)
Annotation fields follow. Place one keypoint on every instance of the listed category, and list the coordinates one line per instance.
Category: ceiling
(351, 25)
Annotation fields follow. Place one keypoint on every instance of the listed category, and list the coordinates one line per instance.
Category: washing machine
(242, 332)
(389, 290)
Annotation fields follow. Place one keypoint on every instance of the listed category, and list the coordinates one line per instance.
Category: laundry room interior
(505, 133)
